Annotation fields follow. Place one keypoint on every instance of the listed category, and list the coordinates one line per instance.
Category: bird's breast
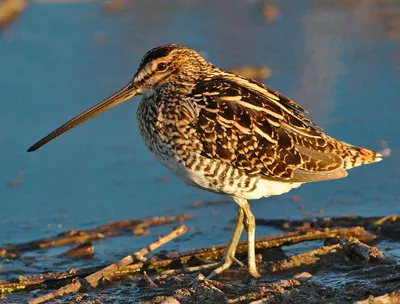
(158, 124)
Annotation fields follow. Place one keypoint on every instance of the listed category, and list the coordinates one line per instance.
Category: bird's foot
(225, 264)
(253, 267)
(254, 272)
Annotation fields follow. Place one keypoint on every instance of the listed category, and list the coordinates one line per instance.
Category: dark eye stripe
(157, 53)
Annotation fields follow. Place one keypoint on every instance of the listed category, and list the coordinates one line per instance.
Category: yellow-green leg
(230, 252)
(250, 226)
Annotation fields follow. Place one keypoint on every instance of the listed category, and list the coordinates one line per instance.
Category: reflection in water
(328, 28)
(369, 14)
(320, 63)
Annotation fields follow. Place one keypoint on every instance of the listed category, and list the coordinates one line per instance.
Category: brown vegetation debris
(10, 10)
(82, 251)
(178, 278)
(175, 263)
(270, 12)
(149, 280)
(290, 238)
(93, 279)
(387, 225)
(391, 298)
(114, 6)
(72, 237)
(343, 252)
(252, 72)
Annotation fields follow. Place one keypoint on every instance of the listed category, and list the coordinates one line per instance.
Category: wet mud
(341, 263)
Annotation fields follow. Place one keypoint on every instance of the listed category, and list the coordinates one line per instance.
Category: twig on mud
(390, 298)
(82, 236)
(391, 218)
(82, 251)
(290, 238)
(172, 264)
(47, 279)
(387, 225)
(304, 259)
(190, 269)
(185, 262)
(346, 246)
(93, 279)
(149, 280)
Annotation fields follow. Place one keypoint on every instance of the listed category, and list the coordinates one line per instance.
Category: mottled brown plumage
(262, 132)
(227, 134)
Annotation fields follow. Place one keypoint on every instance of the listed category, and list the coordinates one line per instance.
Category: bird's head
(167, 65)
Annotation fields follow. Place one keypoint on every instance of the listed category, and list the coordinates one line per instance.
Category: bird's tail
(356, 156)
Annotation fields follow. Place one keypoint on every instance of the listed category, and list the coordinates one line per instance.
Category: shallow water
(341, 61)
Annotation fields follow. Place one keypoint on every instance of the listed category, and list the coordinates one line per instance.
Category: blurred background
(339, 59)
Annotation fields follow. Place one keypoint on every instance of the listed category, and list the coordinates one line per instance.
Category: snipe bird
(226, 134)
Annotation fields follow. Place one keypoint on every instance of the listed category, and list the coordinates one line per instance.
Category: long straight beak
(122, 95)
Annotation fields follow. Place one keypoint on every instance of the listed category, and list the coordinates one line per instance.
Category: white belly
(234, 182)
(223, 178)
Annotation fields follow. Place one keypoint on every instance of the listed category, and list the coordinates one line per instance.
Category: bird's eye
(162, 66)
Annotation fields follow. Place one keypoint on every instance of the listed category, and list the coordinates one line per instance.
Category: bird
(226, 134)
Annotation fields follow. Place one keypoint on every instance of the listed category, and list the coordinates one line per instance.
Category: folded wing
(262, 132)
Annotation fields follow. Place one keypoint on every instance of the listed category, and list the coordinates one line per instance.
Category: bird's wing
(261, 132)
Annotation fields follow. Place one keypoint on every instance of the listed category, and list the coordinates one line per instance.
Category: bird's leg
(250, 226)
(230, 252)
